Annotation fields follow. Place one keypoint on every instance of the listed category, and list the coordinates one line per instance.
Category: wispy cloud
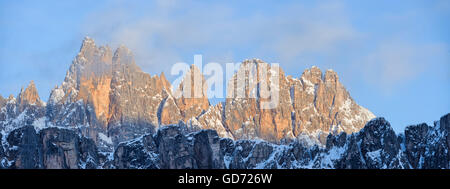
(166, 32)
(158, 36)
(394, 63)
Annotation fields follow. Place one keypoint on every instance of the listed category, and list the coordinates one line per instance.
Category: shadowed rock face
(137, 154)
(376, 146)
(428, 146)
(172, 148)
(207, 151)
(50, 148)
(24, 150)
(63, 149)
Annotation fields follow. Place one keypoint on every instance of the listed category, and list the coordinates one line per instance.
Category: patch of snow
(56, 96)
(309, 86)
(40, 124)
(365, 113)
(374, 155)
(308, 139)
(332, 155)
(105, 138)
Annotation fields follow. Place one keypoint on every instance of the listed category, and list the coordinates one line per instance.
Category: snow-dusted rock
(51, 148)
(376, 146)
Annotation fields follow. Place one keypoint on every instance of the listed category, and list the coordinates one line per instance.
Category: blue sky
(392, 56)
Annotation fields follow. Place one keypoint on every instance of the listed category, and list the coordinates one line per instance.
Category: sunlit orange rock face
(2, 101)
(312, 106)
(170, 113)
(106, 94)
(326, 106)
(95, 91)
(109, 93)
(189, 100)
(246, 117)
(29, 96)
(135, 96)
(194, 99)
(89, 81)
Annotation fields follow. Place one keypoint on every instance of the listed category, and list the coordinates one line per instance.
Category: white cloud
(291, 35)
(158, 36)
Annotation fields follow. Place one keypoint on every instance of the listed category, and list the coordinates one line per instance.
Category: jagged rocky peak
(87, 45)
(90, 73)
(331, 76)
(314, 74)
(311, 106)
(29, 96)
(125, 53)
(111, 95)
(25, 110)
(89, 49)
(2, 101)
(378, 134)
(194, 99)
(92, 59)
(189, 99)
(108, 94)
(123, 60)
(444, 124)
(10, 100)
(330, 104)
(89, 65)
(86, 87)
(166, 84)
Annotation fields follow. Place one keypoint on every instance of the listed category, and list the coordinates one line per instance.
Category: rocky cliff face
(328, 107)
(2, 101)
(309, 107)
(376, 146)
(51, 148)
(194, 99)
(188, 101)
(244, 115)
(107, 96)
(111, 99)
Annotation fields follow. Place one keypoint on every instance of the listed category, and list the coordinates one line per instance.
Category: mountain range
(108, 113)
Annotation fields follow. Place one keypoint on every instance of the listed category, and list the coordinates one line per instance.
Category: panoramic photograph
(224, 85)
